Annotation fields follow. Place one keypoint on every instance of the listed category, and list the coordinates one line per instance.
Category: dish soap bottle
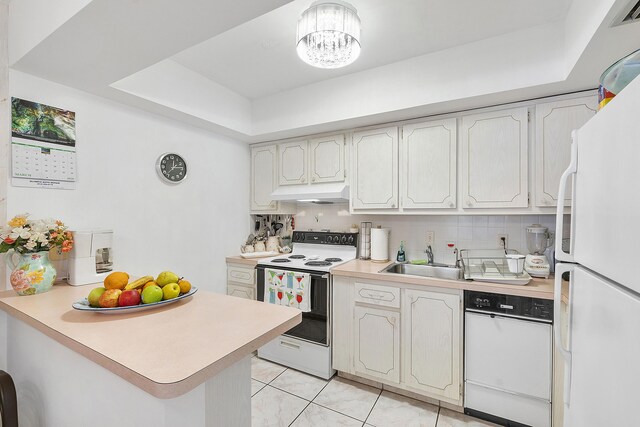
(401, 257)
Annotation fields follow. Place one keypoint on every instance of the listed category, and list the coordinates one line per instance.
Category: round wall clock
(171, 168)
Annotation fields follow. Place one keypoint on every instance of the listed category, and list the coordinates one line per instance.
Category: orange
(185, 286)
(151, 283)
(116, 280)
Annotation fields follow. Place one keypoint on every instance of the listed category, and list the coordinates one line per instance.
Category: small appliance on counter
(90, 260)
(536, 262)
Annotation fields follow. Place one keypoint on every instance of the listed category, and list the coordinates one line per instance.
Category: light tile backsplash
(466, 232)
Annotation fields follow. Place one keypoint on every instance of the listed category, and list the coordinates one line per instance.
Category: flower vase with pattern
(32, 274)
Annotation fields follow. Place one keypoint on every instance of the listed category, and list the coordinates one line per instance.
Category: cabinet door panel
(431, 342)
(375, 171)
(246, 292)
(554, 123)
(292, 165)
(494, 159)
(377, 343)
(428, 165)
(263, 178)
(327, 159)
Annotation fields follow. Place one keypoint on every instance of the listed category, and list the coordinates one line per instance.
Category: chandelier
(329, 34)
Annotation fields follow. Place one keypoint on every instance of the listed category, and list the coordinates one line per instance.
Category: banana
(138, 283)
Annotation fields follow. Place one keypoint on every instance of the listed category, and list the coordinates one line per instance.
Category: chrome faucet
(458, 258)
(429, 252)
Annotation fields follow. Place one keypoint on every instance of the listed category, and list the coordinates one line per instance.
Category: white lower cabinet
(241, 281)
(240, 291)
(377, 343)
(431, 342)
(414, 344)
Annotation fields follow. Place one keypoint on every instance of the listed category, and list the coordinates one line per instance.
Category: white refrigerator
(601, 350)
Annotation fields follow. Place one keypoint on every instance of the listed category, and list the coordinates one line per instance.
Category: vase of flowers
(29, 242)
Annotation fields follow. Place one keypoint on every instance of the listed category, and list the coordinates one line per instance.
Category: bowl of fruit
(120, 294)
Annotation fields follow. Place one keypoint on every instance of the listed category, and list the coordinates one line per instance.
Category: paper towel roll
(380, 244)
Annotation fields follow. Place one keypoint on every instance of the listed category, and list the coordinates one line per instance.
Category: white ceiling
(258, 58)
(231, 67)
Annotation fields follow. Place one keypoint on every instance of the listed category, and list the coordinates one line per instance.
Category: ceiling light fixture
(329, 34)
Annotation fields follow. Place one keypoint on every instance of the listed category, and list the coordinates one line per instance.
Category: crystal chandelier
(329, 34)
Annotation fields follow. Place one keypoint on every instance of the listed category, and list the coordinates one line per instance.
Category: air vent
(629, 14)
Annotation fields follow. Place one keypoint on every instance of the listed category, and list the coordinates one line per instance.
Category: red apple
(130, 297)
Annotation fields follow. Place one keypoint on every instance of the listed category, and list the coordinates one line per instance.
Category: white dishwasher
(508, 359)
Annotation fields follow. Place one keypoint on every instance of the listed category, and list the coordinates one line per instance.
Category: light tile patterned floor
(285, 397)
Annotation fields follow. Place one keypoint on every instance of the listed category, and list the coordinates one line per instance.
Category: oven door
(315, 326)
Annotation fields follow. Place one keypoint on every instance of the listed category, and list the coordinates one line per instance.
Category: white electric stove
(307, 346)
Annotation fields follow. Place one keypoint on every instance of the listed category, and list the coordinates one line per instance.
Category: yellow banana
(138, 283)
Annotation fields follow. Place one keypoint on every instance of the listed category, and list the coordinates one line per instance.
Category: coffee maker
(536, 262)
(90, 260)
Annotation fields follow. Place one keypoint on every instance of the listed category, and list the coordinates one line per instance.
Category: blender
(538, 240)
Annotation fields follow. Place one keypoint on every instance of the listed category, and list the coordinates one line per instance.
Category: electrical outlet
(430, 237)
(502, 244)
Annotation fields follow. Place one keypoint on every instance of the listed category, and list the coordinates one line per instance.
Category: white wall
(188, 228)
(467, 232)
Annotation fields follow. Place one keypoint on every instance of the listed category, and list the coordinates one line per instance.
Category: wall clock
(171, 168)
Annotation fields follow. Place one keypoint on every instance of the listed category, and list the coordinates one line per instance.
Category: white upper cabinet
(374, 183)
(428, 165)
(292, 164)
(554, 123)
(263, 178)
(327, 159)
(494, 159)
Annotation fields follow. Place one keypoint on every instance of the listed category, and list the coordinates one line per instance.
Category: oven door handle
(325, 276)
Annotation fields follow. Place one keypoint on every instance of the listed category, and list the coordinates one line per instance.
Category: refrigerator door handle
(562, 190)
(557, 326)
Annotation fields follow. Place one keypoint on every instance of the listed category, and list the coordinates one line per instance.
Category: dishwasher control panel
(534, 308)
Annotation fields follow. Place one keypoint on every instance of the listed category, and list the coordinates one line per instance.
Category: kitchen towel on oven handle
(288, 288)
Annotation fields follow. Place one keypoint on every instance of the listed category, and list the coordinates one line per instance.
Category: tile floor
(284, 397)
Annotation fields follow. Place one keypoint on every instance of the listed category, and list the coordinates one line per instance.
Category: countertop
(237, 259)
(166, 351)
(537, 288)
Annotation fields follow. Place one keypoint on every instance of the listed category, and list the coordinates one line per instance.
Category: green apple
(170, 291)
(151, 294)
(94, 296)
(167, 277)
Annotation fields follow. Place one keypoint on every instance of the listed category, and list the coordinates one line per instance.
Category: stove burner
(317, 263)
(297, 257)
(280, 260)
(333, 259)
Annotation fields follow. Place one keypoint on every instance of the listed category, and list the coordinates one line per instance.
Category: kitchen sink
(437, 271)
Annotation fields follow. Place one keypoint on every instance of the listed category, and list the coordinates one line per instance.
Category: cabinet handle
(289, 345)
(469, 202)
(451, 204)
(272, 204)
(393, 205)
(313, 179)
(302, 180)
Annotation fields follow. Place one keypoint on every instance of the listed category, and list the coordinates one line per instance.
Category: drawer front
(385, 296)
(245, 275)
(241, 291)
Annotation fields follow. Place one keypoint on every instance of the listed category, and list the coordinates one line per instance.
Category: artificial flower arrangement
(32, 240)
(32, 236)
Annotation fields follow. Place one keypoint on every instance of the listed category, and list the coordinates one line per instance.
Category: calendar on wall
(43, 145)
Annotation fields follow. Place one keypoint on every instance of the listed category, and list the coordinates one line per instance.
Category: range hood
(335, 192)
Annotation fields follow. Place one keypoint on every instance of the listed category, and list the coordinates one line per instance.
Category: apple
(109, 298)
(130, 297)
(94, 296)
(170, 291)
(151, 294)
